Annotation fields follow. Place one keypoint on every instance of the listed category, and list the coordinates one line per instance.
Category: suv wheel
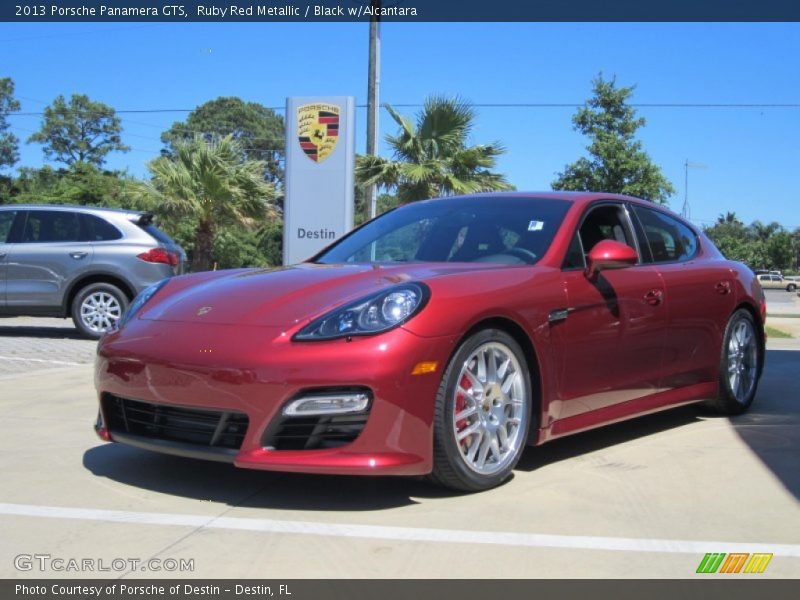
(97, 308)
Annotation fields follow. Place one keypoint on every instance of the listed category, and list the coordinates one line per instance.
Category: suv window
(6, 221)
(51, 226)
(99, 230)
(669, 239)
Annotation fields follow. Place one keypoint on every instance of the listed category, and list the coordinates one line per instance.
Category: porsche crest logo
(318, 129)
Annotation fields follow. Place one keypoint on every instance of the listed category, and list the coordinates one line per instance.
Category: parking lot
(646, 499)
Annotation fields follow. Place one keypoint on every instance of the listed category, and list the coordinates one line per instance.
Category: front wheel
(791, 287)
(97, 309)
(740, 365)
(483, 413)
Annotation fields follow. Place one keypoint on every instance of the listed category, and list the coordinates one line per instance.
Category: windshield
(507, 230)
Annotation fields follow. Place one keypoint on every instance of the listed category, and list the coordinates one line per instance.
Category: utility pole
(373, 101)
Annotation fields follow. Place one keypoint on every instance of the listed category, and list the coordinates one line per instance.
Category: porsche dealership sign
(320, 158)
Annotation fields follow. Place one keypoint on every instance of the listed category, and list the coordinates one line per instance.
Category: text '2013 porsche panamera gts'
(439, 339)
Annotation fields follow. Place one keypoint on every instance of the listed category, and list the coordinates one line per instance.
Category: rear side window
(99, 230)
(669, 240)
(51, 226)
(6, 221)
(158, 234)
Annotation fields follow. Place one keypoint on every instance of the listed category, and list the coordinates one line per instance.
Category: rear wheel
(791, 287)
(97, 309)
(483, 413)
(740, 365)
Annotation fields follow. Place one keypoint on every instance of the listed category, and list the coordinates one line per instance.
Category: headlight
(141, 299)
(370, 315)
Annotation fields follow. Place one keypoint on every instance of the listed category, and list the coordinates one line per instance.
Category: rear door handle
(654, 297)
(723, 287)
(78, 255)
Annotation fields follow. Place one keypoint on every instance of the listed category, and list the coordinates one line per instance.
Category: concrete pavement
(646, 498)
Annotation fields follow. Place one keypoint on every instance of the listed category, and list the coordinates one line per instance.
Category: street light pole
(373, 102)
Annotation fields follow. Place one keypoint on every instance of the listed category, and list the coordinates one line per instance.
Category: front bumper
(256, 371)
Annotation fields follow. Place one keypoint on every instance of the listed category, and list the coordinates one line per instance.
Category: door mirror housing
(609, 254)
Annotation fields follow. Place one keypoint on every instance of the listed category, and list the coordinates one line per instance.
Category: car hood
(283, 297)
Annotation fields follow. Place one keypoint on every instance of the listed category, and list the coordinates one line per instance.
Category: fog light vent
(320, 419)
(327, 404)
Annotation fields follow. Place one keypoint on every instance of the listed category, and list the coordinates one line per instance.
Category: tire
(500, 408)
(791, 287)
(740, 365)
(97, 308)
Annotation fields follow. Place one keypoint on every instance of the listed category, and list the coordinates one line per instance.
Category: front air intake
(208, 428)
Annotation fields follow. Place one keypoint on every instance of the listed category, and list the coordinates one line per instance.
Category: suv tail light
(159, 255)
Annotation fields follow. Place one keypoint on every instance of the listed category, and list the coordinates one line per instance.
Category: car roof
(578, 199)
(80, 207)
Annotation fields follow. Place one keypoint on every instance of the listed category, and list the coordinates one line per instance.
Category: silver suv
(83, 262)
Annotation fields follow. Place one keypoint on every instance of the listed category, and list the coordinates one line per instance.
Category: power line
(714, 105)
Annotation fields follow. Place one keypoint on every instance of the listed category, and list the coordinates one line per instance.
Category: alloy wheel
(100, 312)
(490, 409)
(742, 360)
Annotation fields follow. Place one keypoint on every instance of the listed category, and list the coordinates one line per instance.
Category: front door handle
(78, 255)
(723, 287)
(654, 297)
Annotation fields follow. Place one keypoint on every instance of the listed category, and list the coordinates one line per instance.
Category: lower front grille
(209, 428)
(311, 433)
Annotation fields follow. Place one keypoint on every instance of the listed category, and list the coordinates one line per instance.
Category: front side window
(606, 222)
(669, 239)
(484, 229)
(51, 226)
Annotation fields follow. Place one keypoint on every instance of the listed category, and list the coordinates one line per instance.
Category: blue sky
(751, 154)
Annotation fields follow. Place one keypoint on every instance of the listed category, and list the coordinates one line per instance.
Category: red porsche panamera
(439, 339)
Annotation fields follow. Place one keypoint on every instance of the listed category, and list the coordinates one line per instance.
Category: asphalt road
(646, 498)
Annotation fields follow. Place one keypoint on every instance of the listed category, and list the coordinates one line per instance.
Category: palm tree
(729, 218)
(214, 184)
(431, 156)
(764, 231)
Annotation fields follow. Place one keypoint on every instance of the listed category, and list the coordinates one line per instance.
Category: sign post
(320, 163)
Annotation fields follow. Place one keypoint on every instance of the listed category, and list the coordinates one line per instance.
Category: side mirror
(609, 254)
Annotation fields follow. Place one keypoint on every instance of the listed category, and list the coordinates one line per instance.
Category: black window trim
(14, 231)
(627, 222)
(698, 252)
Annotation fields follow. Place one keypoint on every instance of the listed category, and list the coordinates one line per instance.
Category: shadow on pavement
(771, 429)
(219, 482)
(606, 436)
(37, 331)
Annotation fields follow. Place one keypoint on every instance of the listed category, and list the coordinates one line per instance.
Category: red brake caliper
(461, 404)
